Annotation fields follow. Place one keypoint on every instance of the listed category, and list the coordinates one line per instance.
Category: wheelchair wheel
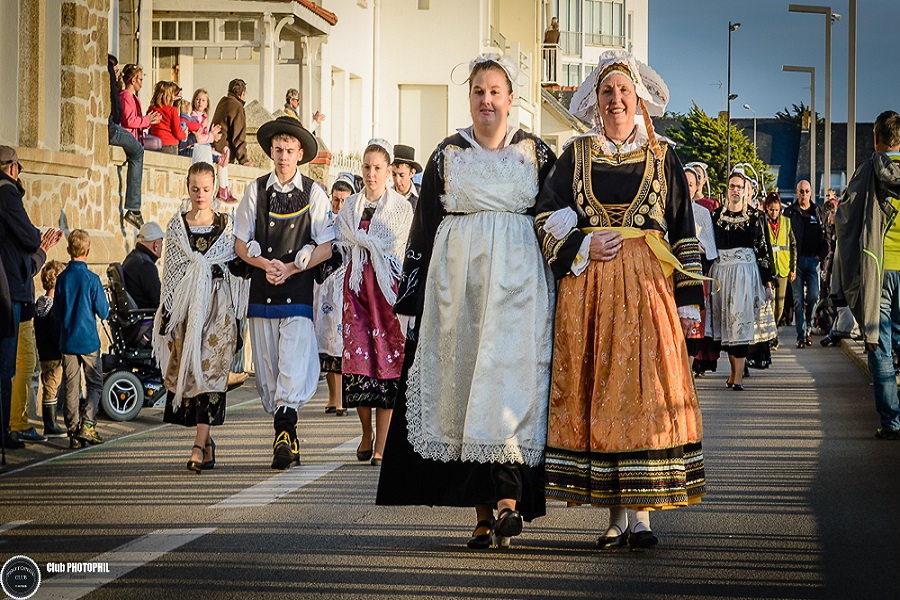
(123, 396)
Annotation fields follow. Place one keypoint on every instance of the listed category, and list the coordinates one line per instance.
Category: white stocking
(618, 522)
(641, 520)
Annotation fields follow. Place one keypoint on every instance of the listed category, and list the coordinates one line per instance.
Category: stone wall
(69, 188)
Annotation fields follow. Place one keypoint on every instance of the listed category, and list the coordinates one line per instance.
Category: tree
(704, 138)
(798, 114)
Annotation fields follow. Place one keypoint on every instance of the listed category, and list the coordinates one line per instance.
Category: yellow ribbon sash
(658, 246)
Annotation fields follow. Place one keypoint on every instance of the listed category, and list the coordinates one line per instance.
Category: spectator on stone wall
(118, 136)
(169, 129)
(134, 122)
(230, 117)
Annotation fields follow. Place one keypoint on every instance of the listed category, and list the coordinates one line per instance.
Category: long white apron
(479, 384)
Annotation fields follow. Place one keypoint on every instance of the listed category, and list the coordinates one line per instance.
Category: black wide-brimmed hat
(292, 127)
(406, 155)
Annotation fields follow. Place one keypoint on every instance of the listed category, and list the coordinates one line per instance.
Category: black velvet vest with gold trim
(646, 210)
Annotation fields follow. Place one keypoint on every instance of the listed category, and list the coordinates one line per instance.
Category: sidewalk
(856, 350)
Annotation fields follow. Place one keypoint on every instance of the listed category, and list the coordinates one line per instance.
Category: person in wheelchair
(141, 277)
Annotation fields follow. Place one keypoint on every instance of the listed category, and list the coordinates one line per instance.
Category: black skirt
(408, 479)
(205, 409)
(361, 390)
(329, 364)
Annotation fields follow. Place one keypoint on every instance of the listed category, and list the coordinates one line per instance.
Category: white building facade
(393, 69)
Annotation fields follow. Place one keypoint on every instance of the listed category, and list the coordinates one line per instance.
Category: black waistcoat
(283, 227)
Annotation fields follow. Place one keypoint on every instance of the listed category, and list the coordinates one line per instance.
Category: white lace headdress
(384, 144)
(504, 62)
(651, 90)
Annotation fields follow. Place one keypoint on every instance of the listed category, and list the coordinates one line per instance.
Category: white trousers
(286, 360)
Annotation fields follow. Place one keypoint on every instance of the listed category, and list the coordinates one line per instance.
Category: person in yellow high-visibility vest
(784, 251)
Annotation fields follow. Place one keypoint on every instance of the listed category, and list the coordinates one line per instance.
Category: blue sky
(689, 48)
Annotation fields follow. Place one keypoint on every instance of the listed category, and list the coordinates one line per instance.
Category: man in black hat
(403, 169)
(283, 228)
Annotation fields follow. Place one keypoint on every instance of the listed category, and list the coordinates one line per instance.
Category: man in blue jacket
(19, 241)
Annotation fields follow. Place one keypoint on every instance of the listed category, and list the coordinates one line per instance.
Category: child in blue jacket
(80, 298)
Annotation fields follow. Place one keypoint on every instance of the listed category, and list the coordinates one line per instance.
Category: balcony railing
(601, 39)
(550, 64)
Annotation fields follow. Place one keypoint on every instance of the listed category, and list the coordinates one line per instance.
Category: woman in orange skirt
(624, 428)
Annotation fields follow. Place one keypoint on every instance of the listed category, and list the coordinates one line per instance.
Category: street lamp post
(812, 121)
(731, 27)
(851, 88)
(755, 152)
(830, 17)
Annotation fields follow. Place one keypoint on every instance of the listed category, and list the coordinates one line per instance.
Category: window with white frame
(604, 23)
(569, 14)
(171, 30)
(239, 31)
(571, 74)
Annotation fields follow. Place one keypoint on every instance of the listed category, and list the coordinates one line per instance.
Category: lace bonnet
(651, 90)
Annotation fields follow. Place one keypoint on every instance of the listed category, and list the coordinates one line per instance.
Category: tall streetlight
(747, 106)
(731, 27)
(830, 17)
(851, 88)
(812, 121)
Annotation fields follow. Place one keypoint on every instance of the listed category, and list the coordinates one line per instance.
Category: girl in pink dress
(372, 229)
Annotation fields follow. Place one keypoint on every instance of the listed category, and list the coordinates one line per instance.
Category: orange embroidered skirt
(624, 423)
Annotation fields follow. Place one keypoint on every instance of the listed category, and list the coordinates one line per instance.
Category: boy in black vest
(283, 228)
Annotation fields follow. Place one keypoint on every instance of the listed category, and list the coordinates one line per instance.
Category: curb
(856, 350)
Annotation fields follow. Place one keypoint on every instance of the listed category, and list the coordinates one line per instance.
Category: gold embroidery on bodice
(648, 202)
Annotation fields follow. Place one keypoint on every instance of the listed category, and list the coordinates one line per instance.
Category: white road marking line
(121, 561)
(348, 446)
(100, 447)
(13, 525)
(270, 490)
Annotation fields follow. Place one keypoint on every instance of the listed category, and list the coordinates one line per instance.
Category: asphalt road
(802, 503)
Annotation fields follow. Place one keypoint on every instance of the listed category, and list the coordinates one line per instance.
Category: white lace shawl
(384, 244)
(186, 293)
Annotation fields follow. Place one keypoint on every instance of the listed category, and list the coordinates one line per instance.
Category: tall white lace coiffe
(480, 381)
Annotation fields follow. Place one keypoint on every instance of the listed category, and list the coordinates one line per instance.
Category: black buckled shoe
(509, 523)
(481, 541)
(642, 540)
(613, 542)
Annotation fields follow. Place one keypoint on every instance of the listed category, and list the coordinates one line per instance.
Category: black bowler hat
(406, 155)
(292, 127)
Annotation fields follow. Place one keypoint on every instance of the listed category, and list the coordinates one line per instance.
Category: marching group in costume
(518, 324)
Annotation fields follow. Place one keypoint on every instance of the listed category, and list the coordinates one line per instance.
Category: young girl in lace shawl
(371, 232)
(195, 330)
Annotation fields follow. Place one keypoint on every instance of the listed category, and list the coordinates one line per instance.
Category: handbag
(152, 142)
